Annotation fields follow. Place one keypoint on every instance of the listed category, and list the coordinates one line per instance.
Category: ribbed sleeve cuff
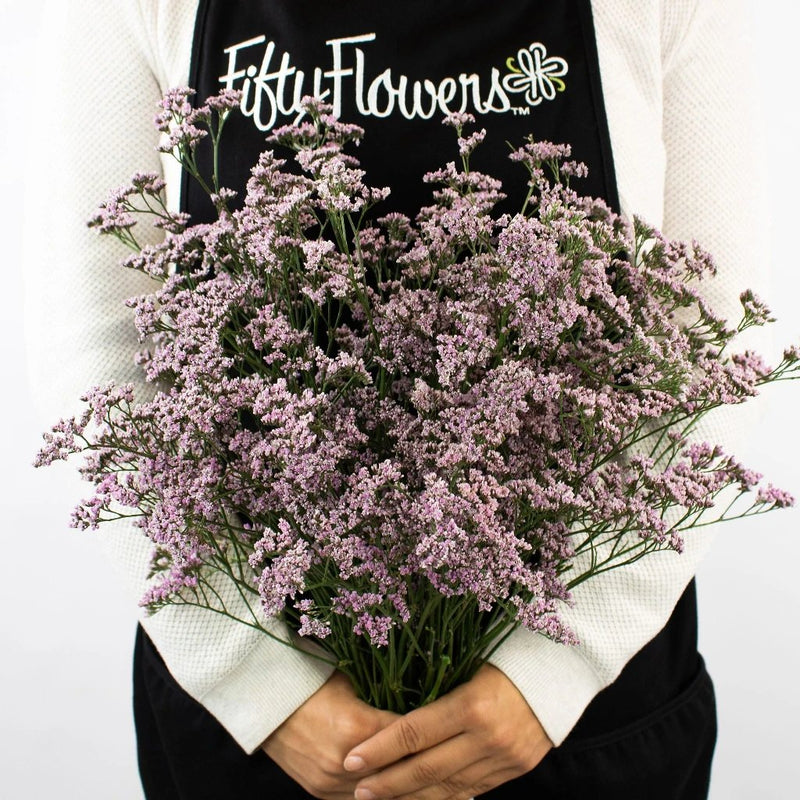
(555, 679)
(250, 703)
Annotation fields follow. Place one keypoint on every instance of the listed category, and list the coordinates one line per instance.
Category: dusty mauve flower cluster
(398, 433)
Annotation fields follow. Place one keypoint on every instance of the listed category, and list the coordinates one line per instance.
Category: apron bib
(396, 69)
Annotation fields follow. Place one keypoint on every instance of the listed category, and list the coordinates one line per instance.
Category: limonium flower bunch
(406, 438)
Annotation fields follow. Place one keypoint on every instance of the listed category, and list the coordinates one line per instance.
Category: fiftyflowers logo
(536, 74)
(273, 86)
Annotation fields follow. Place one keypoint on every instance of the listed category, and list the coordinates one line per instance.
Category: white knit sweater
(675, 80)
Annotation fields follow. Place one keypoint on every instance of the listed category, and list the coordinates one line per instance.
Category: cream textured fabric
(675, 82)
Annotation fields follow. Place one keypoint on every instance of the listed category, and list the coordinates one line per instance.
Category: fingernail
(365, 794)
(356, 764)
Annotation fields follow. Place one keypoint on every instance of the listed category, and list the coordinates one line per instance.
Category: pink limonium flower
(399, 436)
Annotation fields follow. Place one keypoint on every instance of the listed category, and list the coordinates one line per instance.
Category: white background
(67, 633)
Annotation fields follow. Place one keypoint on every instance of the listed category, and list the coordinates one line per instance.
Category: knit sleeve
(710, 194)
(104, 76)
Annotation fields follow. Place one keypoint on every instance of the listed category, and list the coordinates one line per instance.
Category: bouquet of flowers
(407, 438)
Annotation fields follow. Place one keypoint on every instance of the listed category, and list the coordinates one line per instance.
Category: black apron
(396, 69)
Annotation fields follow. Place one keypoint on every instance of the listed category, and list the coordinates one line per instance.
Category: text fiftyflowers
(273, 90)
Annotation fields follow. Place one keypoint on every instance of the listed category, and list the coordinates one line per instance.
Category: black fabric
(451, 44)
(661, 754)
(651, 733)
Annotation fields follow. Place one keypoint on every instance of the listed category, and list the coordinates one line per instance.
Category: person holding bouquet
(652, 97)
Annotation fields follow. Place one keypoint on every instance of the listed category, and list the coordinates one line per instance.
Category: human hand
(310, 745)
(472, 739)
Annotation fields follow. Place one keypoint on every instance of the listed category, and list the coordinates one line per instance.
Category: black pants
(650, 735)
